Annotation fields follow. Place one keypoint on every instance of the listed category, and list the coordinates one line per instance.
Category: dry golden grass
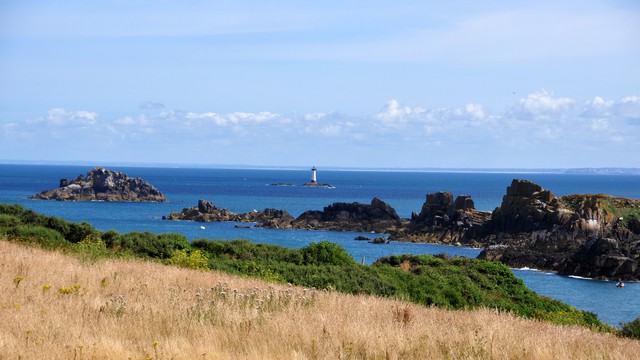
(55, 306)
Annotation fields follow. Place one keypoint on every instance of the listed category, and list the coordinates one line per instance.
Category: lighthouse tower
(313, 175)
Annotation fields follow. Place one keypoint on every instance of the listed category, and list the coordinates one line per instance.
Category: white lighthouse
(313, 175)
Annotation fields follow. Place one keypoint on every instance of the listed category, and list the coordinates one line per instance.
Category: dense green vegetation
(631, 329)
(452, 283)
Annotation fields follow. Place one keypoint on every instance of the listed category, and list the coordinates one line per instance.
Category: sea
(242, 190)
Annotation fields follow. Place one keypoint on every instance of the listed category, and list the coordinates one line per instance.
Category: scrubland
(57, 306)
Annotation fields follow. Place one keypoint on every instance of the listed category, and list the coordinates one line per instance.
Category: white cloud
(599, 125)
(315, 117)
(474, 110)
(542, 105)
(130, 120)
(597, 108)
(628, 107)
(150, 105)
(235, 118)
(9, 127)
(394, 115)
(397, 130)
(61, 117)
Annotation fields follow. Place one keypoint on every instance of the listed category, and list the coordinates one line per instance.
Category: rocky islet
(101, 184)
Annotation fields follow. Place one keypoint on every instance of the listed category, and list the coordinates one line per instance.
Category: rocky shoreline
(595, 236)
(102, 184)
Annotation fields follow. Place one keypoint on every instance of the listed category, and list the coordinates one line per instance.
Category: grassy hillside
(57, 306)
(456, 283)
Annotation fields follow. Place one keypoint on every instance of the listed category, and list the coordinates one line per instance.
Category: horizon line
(610, 169)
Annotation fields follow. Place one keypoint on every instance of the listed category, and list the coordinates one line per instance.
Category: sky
(356, 84)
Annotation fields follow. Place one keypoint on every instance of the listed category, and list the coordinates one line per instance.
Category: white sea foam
(580, 277)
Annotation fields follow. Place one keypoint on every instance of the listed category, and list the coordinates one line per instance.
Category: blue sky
(477, 84)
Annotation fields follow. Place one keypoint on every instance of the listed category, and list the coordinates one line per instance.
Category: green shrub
(246, 250)
(146, 244)
(33, 234)
(326, 253)
(195, 259)
(76, 232)
(7, 220)
(631, 329)
(91, 248)
(12, 209)
(112, 239)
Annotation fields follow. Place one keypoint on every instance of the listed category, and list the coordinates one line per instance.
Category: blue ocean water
(241, 190)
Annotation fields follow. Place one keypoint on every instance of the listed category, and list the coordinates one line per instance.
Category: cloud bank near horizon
(539, 130)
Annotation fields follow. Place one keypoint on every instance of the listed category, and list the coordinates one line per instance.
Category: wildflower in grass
(104, 282)
(46, 288)
(27, 335)
(155, 349)
(75, 289)
(17, 280)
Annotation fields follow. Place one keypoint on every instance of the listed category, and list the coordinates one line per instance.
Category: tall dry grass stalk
(55, 306)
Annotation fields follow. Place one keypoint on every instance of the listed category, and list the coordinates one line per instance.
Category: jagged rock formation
(206, 211)
(377, 216)
(593, 236)
(443, 220)
(101, 184)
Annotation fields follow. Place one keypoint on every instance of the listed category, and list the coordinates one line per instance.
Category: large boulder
(100, 184)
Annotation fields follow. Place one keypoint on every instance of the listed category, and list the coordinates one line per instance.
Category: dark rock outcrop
(593, 236)
(443, 220)
(101, 184)
(206, 211)
(377, 216)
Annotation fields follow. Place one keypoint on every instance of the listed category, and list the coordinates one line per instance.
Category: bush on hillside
(146, 244)
(47, 238)
(195, 259)
(248, 251)
(326, 253)
(7, 220)
(73, 232)
(631, 329)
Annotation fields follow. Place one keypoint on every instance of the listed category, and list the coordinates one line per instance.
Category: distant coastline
(576, 171)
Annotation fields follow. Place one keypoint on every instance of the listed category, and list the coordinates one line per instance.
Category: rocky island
(596, 236)
(100, 184)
